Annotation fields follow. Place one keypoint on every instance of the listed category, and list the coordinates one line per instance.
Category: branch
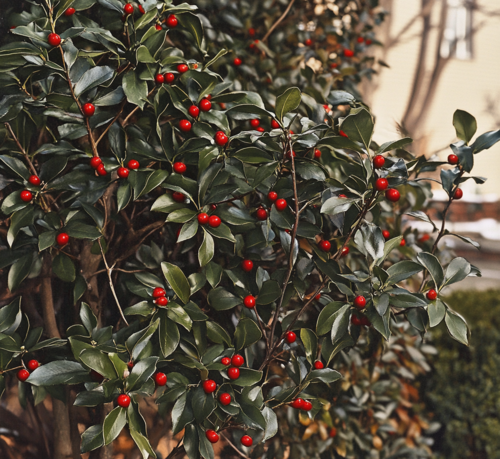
(109, 270)
(276, 24)
(234, 447)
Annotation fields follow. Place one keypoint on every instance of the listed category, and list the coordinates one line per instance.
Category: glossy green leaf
(177, 280)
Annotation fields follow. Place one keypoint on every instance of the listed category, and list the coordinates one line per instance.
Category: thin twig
(109, 270)
(108, 127)
(234, 447)
(276, 24)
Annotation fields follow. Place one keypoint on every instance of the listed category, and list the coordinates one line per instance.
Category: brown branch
(244, 456)
(109, 271)
(277, 23)
(108, 127)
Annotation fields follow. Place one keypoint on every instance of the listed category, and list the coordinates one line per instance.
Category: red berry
(381, 184)
(203, 218)
(249, 301)
(342, 196)
(158, 292)
(317, 154)
(141, 9)
(261, 214)
(26, 195)
(161, 301)
(160, 379)
(123, 400)
(194, 111)
(355, 320)
(128, 8)
(392, 195)
(225, 399)
(123, 172)
(172, 21)
(233, 373)
(318, 365)
(212, 436)
(62, 239)
(169, 77)
(213, 207)
(325, 246)
(260, 129)
(334, 65)
(133, 164)
(432, 294)
(360, 302)
(179, 168)
(386, 234)
(101, 170)
(342, 133)
(182, 68)
(88, 109)
(54, 39)
(275, 124)
(272, 196)
(69, 12)
(214, 221)
(453, 159)
(178, 197)
(365, 321)
(345, 251)
(318, 297)
(226, 361)
(220, 138)
(251, 32)
(368, 42)
(23, 375)
(247, 265)
(402, 243)
(159, 78)
(308, 42)
(255, 123)
(33, 364)
(290, 337)
(246, 441)
(425, 237)
(378, 161)
(205, 105)
(307, 405)
(209, 386)
(95, 161)
(185, 125)
(237, 61)
(237, 360)
(333, 432)
(158, 27)
(360, 40)
(281, 205)
(458, 194)
(298, 404)
(348, 53)
(290, 154)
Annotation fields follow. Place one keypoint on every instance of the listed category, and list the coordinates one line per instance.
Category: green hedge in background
(464, 390)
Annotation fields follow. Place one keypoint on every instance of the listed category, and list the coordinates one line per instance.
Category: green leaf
(358, 126)
(394, 145)
(287, 102)
(10, 316)
(92, 78)
(247, 332)
(335, 205)
(248, 377)
(436, 310)
(46, 240)
(142, 443)
(99, 362)
(217, 334)
(271, 423)
(465, 125)
(207, 249)
(193, 25)
(402, 270)
(59, 372)
(252, 155)
(92, 439)
(177, 280)
(19, 271)
(457, 327)
(178, 315)
(269, 292)
(181, 215)
(182, 413)
(310, 342)
(191, 442)
(123, 196)
(327, 316)
(432, 264)
(144, 308)
(457, 270)
(326, 375)
(169, 336)
(135, 89)
(113, 424)
(485, 141)
(221, 300)
(204, 404)
(63, 267)
(141, 372)
(16, 166)
(144, 339)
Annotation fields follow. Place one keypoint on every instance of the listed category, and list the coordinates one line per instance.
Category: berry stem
(277, 23)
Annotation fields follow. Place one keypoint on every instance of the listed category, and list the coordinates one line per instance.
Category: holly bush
(237, 254)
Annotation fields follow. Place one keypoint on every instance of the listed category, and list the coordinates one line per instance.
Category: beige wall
(464, 84)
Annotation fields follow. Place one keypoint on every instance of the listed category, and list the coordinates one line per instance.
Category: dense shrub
(463, 390)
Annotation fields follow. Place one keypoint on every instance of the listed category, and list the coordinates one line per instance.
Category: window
(457, 38)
